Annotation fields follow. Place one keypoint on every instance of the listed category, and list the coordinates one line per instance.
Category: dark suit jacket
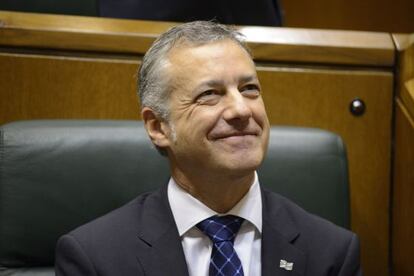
(239, 12)
(141, 238)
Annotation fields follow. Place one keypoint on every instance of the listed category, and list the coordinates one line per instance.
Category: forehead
(221, 58)
(192, 51)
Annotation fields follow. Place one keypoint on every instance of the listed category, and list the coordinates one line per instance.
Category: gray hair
(153, 83)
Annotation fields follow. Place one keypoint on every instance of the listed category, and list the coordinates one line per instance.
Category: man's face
(218, 122)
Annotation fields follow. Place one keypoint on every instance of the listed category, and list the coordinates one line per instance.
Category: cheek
(203, 120)
(259, 113)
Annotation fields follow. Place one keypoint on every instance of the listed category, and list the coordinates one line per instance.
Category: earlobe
(156, 128)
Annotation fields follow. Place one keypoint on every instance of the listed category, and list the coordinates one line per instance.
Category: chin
(246, 158)
(244, 163)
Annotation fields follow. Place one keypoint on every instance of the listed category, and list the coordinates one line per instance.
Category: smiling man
(202, 107)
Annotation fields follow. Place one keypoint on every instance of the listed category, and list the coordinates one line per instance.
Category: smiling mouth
(235, 135)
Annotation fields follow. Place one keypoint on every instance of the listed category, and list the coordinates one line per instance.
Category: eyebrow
(215, 83)
(248, 78)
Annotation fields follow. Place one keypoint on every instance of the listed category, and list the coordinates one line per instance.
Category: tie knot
(220, 229)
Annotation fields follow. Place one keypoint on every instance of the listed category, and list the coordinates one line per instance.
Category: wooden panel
(38, 87)
(369, 15)
(403, 194)
(133, 36)
(407, 96)
(403, 180)
(319, 46)
(321, 98)
(405, 47)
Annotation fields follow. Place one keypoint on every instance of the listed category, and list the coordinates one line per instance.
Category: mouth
(236, 135)
(237, 141)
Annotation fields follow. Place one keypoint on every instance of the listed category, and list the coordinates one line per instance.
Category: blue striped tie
(222, 232)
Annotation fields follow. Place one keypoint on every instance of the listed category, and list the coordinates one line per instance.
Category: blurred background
(370, 15)
(359, 85)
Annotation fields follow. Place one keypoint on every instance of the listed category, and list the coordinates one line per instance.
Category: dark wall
(72, 7)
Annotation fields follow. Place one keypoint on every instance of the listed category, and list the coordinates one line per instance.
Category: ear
(157, 128)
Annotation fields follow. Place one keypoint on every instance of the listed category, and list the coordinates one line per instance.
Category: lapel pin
(286, 265)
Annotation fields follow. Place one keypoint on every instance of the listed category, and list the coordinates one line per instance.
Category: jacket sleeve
(351, 265)
(71, 259)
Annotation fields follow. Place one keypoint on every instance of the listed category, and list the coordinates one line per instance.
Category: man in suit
(202, 108)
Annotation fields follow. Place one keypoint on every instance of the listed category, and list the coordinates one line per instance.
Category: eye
(208, 97)
(207, 93)
(252, 90)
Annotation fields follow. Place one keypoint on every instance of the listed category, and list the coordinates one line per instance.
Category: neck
(218, 192)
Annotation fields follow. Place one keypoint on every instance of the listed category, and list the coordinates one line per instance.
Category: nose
(237, 107)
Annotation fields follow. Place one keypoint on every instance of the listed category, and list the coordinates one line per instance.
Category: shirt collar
(182, 204)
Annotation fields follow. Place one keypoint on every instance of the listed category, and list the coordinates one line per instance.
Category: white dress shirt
(188, 211)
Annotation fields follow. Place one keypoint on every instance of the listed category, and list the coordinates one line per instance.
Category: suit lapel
(160, 251)
(278, 234)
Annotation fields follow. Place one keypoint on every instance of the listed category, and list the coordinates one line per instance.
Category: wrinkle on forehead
(194, 48)
(178, 63)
